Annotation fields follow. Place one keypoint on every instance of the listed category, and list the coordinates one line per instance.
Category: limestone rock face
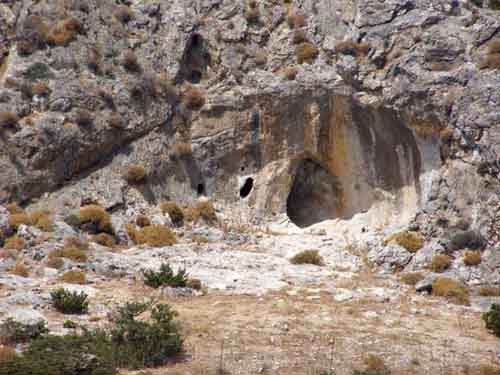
(396, 113)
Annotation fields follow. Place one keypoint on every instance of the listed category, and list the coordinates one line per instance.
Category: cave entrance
(314, 195)
(200, 189)
(196, 60)
(247, 187)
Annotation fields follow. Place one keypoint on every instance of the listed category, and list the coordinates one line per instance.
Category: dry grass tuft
(174, 211)
(142, 221)
(104, 239)
(98, 216)
(42, 220)
(451, 289)
(350, 47)
(20, 270)
(135, 175)
(124, 14)
(193, 98)
(7, 354)
(155, 236)
(14, 208)
(290, 73)
(73, 277)
(411, 278)
(492, 60)
(54, 262)
(472, 258)
(41, 89)
(308, 257)
(489, 291)
(64, 32)
(202, 210)
(411, 241)
(489, 370)
(8, 120)
(17, 220)
(181, 150)
(440, 263)
(15, 243)
(83, 117)
(375, 365)
(115, 121)
(306, 53)
(130, 61)
(295, 19)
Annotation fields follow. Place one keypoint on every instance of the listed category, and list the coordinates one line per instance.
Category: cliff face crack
(314, 195)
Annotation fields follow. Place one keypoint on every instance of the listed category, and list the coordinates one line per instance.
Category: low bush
(489, 291)
(350, 47)
(194, 284)
(130, 61)
(308, 257)
(8, 120)
(165, 277)
(74, 249)
(97, 217)
(42, 219)
(76, 242)
(13, 332)
(180, 150)
(83, 118)
(411, 241)
(69, 324)
(306, 53)
(104, 239)
(440, 263)
(472, 258)
(451, 289)
(15, 220)
(116, 121)
(411, 278)
(175, 213)
(41, 89)
(374, 365)
(15, 243)
(299, 36)
(20, 269)
(193, 98)
(68, 302)
(252, 13)
(492, 319)
(55, 262)
(14, 208)
(290, 73)
(135, 175)
(142, 221)
(492, 59)
(295, 19)
(73, 277)
(7, 355)
(124, 14)
(202, 210)
(469, 239)
(155, 236)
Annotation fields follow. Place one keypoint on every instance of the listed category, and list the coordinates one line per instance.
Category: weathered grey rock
(390, 256)
(26, 316)
(425, 285)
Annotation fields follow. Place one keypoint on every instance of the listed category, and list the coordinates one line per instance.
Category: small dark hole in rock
(195, 76)
(200, 189)
(246, 188)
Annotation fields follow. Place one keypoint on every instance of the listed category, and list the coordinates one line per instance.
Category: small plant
(174, 211)
(41, 89)
(20, 270)
(194, 284)
(489, 291)
(124, 14)
(252, 13)
(290, 73)
(13, 332)
(94, 60)
(42, 220)
(440, 263)
(193, 98)
(68, 302)
(492, 60)
(14, 208)
(306, 53)
(180, 150)
(115, 121)
(135, 174)
(130, 61)
(69, 324)
(411, 278)
(15, 243)
(73, 277)
(104, 239)
(374, 365)
(308, 257)
(472, 258)
(299, 36)
(97, 217)
(202, 210)
(492, 319)
(17, 220)
(411, 241)
(350, 47)
(83, 118)
(63, 33)
(450, 289)
(165, 277)
(54, 262)
(155, 236)
(295, 19)
(142, 221)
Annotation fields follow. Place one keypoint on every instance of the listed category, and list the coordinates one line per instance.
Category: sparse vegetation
(116, 121)
(451, 289)
(135, 174)
(124, 14)
(155, 236)
(63, 32)
(202, 210)
(306, 53)
(104, 239)
(440, 263)
(193, 98)
(308, 257)
(175, 213)
(20, 270)
(68, 302)
(290, 73)
(180, 150)
(8, 120)
(472, 258)
(83, 118)
(350, 47)
(73, 277)
(166, 277)
(295, 19)
(411, 241)
(489, 291)
(469, 239)
(142, 221)
(374, 365)
(15, 243)
(492, 319)
(130, 61)
(492, 59)
(54, 262)
(16, 220)
(13, 332)
(252, 13)
(41, 89)
(97, 217)
(411, 278)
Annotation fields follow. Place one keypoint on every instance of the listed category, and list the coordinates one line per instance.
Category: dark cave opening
(200, 189)
(247, 187)
(314, 196)
(196, 60)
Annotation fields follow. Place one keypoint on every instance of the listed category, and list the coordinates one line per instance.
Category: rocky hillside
(226, 137)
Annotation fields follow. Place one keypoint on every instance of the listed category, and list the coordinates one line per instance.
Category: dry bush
(69, 252)
(63, 32)
(96, 215)
(350, 47)
(165, 87)
(440, 263)
(299, 36)
(489, 370)
(411, 241)
(41, 89)
(155, 236)
(54, 262)
(174, 211)
(260, 58)
(411, 278)
(15, 243)
(135, 175)
(252, 13)
(202, 210)
(290, 73)
(25, 47)
(104, 239)
(42, 220)
(492, 60)
(73, 277)
(308, 257)
(94, 60)
(8, 119)
(83, 117)
(76, 242)
(124, 14)
(489, 291)
(132, 232)
(115, 121)
(296, 19)
(193, 98)
(7, 355)
(194, 284)
(181, 150)
(375, 365)
(454, 291)
(130, 61)
(142, 221)
(17, 220)
(20, 270)
(472, 258)
(14, 208)
(306, 53)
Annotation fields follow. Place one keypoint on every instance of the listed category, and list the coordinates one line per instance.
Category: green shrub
(69, 324)
(308, 257)
(492, 319)
(165, 276)
(69, 302)
(12, 332)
